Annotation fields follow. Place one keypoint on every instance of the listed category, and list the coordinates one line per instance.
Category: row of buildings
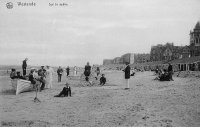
(166, 52)
(170, 52)
(129, 57)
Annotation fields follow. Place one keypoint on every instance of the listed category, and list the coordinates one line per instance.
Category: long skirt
(49, 80)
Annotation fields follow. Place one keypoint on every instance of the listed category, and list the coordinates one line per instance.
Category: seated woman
(65, 92)
(133, 73)
(31, 77)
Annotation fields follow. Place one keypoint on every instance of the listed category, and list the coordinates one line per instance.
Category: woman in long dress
(75, 71)
(49, 77)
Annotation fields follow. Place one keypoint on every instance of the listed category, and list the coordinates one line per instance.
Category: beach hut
(187, 64)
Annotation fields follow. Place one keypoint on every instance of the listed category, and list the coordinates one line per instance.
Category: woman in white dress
(75, 71)
(49, 77)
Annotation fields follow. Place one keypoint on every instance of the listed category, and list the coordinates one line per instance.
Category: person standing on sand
(24, 65)
(170, 72)
(49, 77)
(127, 74)
(59, 72)
(67, 70)
(42, 74)
(87, 71)
(75, 70)
(98, 71)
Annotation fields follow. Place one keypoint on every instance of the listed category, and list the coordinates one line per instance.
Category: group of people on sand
(66, 91)
(60, 72)
(16, 74)
(166, 74)
(43, 77)
(87, 73)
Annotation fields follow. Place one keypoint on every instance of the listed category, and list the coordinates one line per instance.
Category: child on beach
(102, 80)
(65, 92)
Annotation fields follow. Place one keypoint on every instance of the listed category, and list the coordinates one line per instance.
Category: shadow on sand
(8, 92)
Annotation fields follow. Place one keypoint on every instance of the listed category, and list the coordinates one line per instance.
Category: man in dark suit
(170, 72)
(87, 71)
(67, 70)
(65, 92)
(127, 74)
(24, 65)
(59, 72)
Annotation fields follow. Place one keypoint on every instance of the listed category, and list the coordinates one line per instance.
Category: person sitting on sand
(165, 76)
(65, 92)
(133, 73)
(102, 80)
(13, 73)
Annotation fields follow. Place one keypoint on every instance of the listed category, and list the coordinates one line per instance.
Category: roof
(197, 26)
(186, 60)
(177, 61)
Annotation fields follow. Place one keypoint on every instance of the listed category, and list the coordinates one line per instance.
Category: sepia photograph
(99, 63)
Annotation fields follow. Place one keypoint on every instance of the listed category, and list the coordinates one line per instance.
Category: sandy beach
(148, 103)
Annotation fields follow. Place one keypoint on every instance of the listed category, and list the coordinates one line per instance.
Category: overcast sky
(91, 30)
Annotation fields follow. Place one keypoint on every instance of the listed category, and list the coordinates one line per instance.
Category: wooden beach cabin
(186, 64)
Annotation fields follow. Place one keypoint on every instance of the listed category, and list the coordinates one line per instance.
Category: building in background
(168, 52)
(117, 60)
(141, 58)
(129, 57)
(107, 61)
(195, 40)
(161, 52)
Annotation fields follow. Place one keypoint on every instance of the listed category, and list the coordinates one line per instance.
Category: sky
(91, 30)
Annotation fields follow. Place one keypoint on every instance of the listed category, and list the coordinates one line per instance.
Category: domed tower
(195, 35)
(195, 40)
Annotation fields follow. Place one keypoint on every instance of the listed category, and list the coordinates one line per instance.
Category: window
(196, 41)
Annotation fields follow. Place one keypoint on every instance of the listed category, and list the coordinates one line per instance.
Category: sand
(148, 103)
